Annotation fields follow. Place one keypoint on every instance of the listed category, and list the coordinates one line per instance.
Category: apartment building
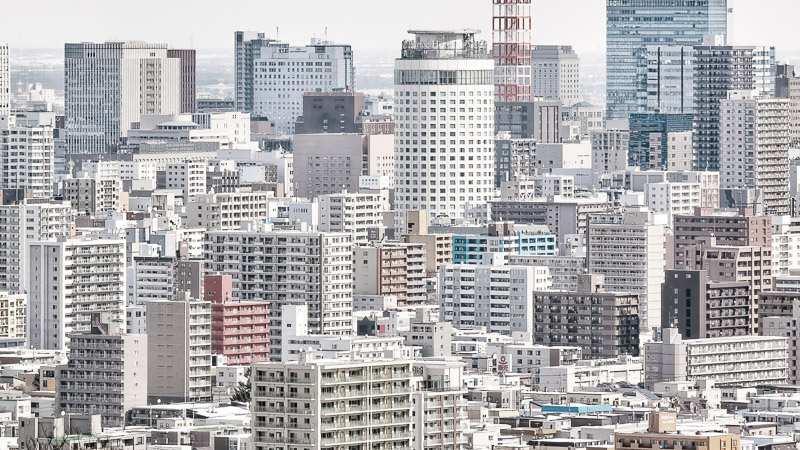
(188, 176)
(628, 250)
(24, 222)
(69, 280)
(674, 198)
(13, 312)
(500, 298)
(727, 361)
(239, 329)
(563, 216)
(179, 350)
(290, 266)
(502, 241)
(564, 269)
(438, 247)
(332, 404)
(440, 409)
(602, 324)
(354, 213)
(106, 373)
(391, 268)
(27, 160)
(93, 195)
(610, 148)
(227, 211)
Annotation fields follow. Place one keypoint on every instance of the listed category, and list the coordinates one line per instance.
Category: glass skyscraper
(634, 24)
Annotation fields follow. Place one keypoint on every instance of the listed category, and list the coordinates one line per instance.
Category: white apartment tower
(27, 160)
(556, 73)
(284, 267)
(754, 148)
(69, 279)
(628, 250)
(444, 115)
(354, 213)
(109, 86)
(29, 221)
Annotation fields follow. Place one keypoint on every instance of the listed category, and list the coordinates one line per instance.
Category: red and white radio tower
(511, 38)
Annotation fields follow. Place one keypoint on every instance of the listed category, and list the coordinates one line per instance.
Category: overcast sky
(368, 25)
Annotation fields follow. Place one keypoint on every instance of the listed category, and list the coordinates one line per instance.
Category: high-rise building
(5, 87)
(668, 87)
(272, 76)
(28, 221)
(354, 213)
(511, 49)
(556, 73)
(68, 281)
(628, 249)
(289, 266)
(660, 141)
(106, 373)
(388, 268)
(444, 146)
(717, 70)
(754, 148)
(27, 160)
(323, 403)
(794, 113)
(188, 60)
(633, 24)
(179, 350)
(109, 86)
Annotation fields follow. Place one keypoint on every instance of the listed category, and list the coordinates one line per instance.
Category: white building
(588, 374)
(628, 250)
(440, 409)
(189, 176)
(336, 403)
(288, 267)
(69, 279)
(673, 198)
(227, 211)
(728, 361)
(20, 224)
(610, 147)
(785, 246)
(354, 213)
(93, 195)
(282, 73)
(444, 135)
(27, 160)
(556, 73)
(109, 86)
(499, 298)
(5, 87)
(754, 148)
(13, 310)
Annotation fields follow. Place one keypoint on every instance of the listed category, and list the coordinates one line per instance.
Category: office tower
(272, 76)
(188, 66)
(668, 87)
(508, 309)
(610, 148)
(5, 87)
(289, 266)
(106, 373)
(754, 148)
(28, 221)
(633, 24)
(373, 408)
(239, 329)
(27, 160)
(511, 50)
(717, 70)
(445, 125)
(628, 249)
(556, 73)
(602, 322)
(329, 163)
(729, 362)
(109, 86)
(69, 279)
(179, 350)
(660, 141)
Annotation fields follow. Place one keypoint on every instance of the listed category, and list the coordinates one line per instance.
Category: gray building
(539, 119)
(668, 84)
(106, 373)
(179, 350)
(555, 73)
(602, 324)
(330, 112)
(633, 24)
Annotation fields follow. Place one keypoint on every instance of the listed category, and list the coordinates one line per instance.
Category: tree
(242, 392)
